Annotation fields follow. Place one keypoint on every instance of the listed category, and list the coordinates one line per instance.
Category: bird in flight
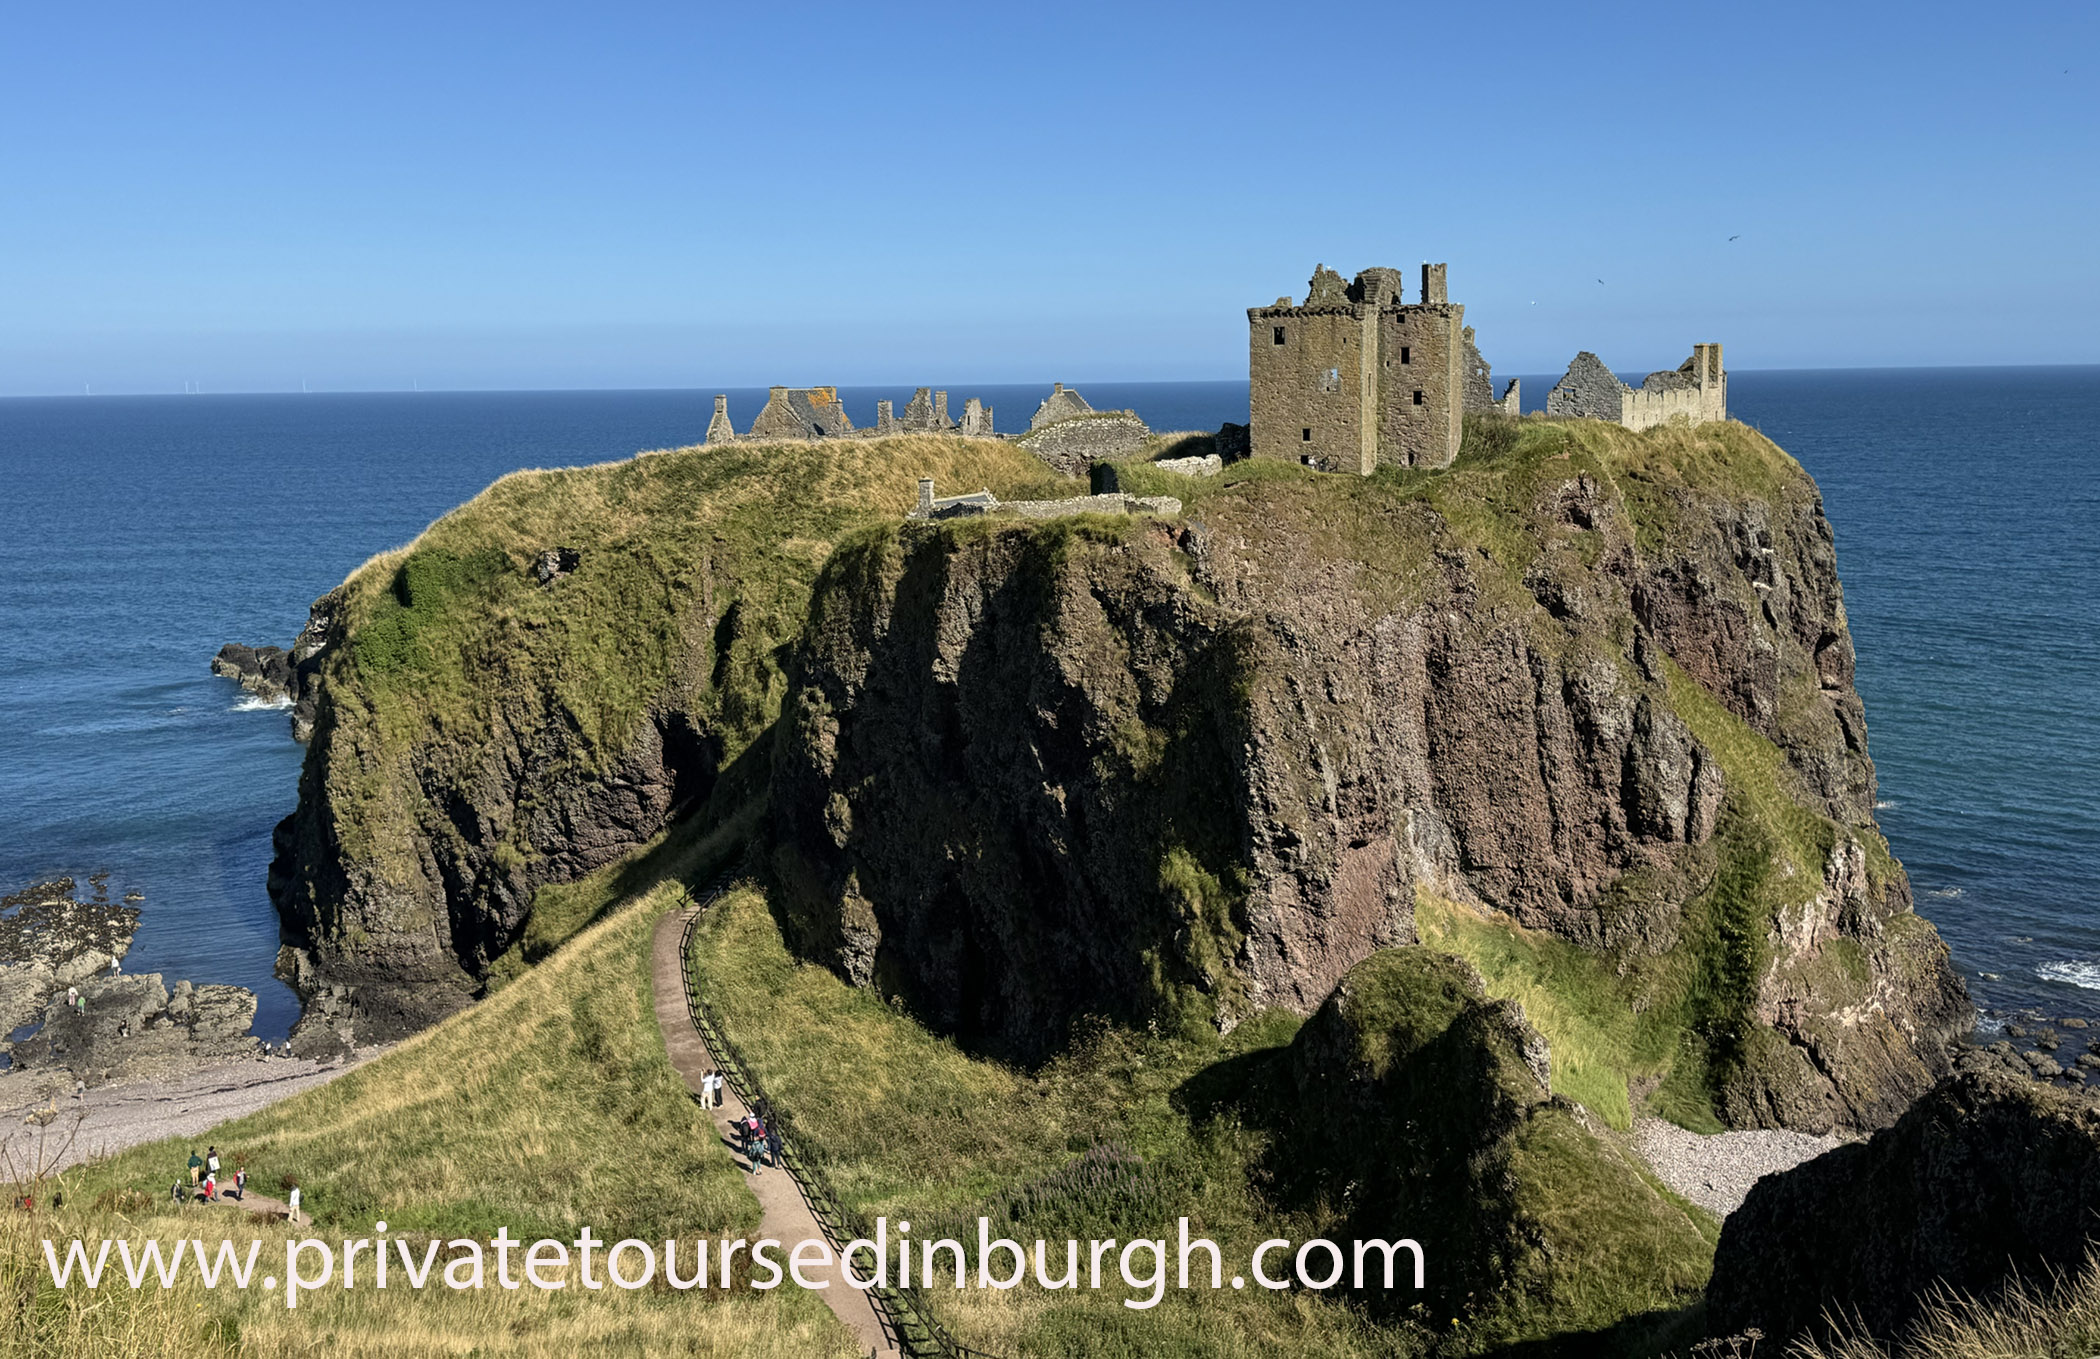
(1600, 282)
(1736, 237)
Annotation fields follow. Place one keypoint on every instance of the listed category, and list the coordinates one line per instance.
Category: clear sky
(245, 197)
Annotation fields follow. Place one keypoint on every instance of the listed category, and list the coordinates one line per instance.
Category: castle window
(1403, 354)
(1418, 398)
(1331, 380)
(1279, 334)
(1307, 435)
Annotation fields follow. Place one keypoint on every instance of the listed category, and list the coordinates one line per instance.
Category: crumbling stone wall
(801, 413)
(1587, 391)
(977, 420)
(1697, 391)
(1071, 446)
(1479, 380)
(1356, 377)
(719, 430)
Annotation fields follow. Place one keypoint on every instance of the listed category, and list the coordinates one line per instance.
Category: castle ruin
(817, 413)
(1696, 391)
(1356, 376)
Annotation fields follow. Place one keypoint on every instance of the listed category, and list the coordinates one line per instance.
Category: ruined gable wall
(1480, 381)
(1588, 390)
(1306, 393)
(778, 420)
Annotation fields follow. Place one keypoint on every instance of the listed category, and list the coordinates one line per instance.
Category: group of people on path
(760, 1144)
(204, 1181)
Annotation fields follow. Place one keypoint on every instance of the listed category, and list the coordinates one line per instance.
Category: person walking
(291, 1205)
(211, 1162)
(196, 1167)
(773, 1146)
(72, 996)
(240, 1184)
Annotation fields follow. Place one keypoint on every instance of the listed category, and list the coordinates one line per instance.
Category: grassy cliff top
(741, 525)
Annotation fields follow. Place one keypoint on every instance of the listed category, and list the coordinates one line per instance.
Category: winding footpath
(784, 1215)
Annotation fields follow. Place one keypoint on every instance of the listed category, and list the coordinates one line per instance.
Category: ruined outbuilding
(1695, 391)
(1356, 376)
(1062, 404)
(801, 413)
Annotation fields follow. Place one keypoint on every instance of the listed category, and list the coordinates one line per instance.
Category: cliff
(1588, 686)
(537, 685)
(1989, 1177)
(1583, 700)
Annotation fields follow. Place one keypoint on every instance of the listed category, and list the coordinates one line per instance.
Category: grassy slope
(911, 1127)
(549, 1106)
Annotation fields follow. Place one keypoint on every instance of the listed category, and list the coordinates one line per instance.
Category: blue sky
(373, 195)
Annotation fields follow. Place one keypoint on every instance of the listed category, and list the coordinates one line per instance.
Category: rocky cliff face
(1987, 1176)
(537, 686)
(392, 923)
(1598, 682)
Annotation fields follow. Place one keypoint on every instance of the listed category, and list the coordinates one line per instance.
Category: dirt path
(786, 1218)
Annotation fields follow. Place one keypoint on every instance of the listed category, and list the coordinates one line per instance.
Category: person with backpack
(211, 1162)
(240, 1184)
(773, 1146)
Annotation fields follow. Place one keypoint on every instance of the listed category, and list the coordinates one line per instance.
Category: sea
(139, 533)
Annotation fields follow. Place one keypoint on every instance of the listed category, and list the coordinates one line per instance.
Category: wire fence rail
(905, 1315)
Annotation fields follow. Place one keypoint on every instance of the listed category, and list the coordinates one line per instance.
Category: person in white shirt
(292, 1204)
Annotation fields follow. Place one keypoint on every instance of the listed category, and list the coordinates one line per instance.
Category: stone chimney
(925, 497)
(885, 417)
(1433, 286)
(719, 430)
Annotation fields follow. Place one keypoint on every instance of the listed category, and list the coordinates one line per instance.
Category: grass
(909, 1126)
(2031, 1319)
(549, 1106)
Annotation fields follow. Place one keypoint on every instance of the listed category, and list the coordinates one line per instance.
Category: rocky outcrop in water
(265, 672)
(49, 939)
(1986, 1176)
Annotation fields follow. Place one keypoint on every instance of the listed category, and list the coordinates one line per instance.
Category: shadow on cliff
(1006, 795)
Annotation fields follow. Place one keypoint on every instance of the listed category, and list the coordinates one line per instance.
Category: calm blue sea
(139, 533)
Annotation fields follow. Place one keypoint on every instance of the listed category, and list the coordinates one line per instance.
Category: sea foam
(2086, 975)
(252, 704)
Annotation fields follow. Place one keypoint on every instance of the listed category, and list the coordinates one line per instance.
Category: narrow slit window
(1306, 435)
(1418, 398)
(1404, 358)
(1279, 334)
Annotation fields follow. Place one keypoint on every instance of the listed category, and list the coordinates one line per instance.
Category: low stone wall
(1092, 504)
(1072, 446)
(1209, 465)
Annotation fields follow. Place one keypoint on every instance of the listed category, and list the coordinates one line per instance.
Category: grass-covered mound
(1413, 1099)
(548, 1107)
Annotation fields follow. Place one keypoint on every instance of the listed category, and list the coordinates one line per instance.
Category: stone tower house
(1356, 376)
